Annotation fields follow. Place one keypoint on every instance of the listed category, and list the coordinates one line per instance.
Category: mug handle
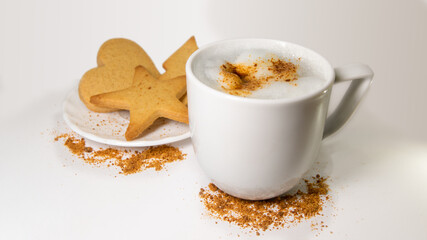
(361, 76)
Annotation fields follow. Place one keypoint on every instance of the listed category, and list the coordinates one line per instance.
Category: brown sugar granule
(128, 161)
(241, 78)
(273, 213)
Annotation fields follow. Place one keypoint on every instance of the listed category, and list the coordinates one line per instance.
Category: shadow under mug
(260, 148)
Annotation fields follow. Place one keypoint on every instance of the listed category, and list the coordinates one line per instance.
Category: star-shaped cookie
(147, 99)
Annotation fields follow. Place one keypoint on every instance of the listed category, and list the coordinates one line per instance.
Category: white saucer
(109, 128)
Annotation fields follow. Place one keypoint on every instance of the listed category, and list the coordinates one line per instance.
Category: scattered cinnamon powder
(153, 157)
(128, 161)
(242, 78)
(267, 214)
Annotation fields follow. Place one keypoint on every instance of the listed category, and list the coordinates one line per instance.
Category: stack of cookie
(127, 79)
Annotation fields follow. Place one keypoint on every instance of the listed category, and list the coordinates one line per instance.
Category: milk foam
(312, 76)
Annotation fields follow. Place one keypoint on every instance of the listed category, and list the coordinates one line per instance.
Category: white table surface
(377, 163)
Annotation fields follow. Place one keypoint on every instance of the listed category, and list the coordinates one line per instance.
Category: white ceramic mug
(260, 148)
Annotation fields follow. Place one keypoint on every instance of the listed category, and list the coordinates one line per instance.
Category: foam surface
(311, 71)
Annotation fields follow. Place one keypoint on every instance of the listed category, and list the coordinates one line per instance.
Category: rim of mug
(320, 91)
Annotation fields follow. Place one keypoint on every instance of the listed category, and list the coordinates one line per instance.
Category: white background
(377, 163)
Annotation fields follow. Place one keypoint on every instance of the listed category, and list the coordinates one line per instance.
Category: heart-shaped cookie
(117, 59)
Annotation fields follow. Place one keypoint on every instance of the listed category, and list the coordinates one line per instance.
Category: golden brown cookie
(175, 64)
(117, 59)
(147, 99)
